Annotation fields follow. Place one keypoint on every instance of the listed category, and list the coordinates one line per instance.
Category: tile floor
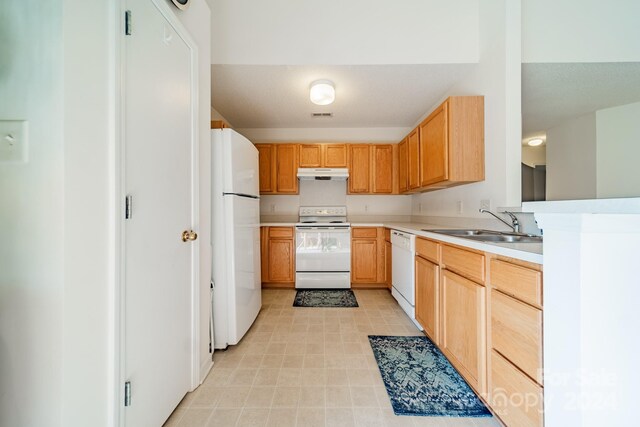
(306, 367)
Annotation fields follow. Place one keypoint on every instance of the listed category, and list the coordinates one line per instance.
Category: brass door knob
(189, 235)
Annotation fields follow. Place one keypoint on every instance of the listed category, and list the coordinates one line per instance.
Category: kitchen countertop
(531, 252)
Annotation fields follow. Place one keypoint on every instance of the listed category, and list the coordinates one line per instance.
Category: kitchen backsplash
(334, 193)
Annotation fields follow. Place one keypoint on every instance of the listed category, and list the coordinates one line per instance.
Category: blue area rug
(325, 298)
(421, 381)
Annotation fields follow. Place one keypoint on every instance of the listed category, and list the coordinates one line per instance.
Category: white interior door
(159, 274)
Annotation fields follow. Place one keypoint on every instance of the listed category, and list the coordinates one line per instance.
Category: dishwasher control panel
(403, 240)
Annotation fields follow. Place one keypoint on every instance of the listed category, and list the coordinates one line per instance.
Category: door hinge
(127, 22)
(128, 206)
(127, 393)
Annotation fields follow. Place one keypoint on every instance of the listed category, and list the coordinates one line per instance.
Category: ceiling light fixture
(322, 92)
(535, 142)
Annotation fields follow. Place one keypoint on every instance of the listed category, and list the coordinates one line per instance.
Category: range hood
(326, 174)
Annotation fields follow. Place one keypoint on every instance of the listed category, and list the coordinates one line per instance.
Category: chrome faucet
(515, 224)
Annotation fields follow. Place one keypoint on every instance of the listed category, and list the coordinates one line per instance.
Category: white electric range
(323, 248)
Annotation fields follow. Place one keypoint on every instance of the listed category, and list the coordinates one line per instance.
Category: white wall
(88, 395)
(57, 260)
(197, 21)
(533, 156)
(571, 159)
(580, 31)
(338, 32)
(32, 216)
(618, 151)
(497, 77)
(589, 359)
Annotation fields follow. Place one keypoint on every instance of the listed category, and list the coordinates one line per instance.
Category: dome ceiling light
(535, 142)
(322, 92)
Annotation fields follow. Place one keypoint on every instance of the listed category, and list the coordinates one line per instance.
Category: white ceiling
(277, 96)
(553, 93)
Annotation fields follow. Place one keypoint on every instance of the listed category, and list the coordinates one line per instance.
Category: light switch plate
(13, 141)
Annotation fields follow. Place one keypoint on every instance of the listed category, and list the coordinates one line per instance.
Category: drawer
(516, 332)
(387, 234)
(521, 282)
(364, 232)
(468, 264)
(515, 398)
(281, 232)
(427, 249)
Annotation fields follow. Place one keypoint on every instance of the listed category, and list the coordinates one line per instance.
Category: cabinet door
(264, 254)
(359, 162)
(434, 153)
(516, 332)
(427, 293)
(266, 167)
(281, 266)
(364, 260)
(514, 396)
(387, 263)
(334, 156)
(463, 336)
(382, 166)
(310, 156)
(413, 160)
(287, 168)
(403, 178)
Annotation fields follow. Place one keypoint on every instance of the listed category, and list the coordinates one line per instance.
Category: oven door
(323, 249)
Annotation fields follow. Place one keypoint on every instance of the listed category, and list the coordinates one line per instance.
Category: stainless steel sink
(490, 236)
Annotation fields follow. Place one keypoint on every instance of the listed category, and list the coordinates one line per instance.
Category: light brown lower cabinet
(463, 337)
(367, 257)
(427, 297)
(278, 257)
(515, 398)
(515, 342)
(387, 263)
(484, 311)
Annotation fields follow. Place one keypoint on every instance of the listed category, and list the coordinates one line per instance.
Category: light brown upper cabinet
(359, 165)
(267, 167)
(334, 155)
(310, 156)
(287, 168)
(434, 158)
(403, 178)
(382, 167)
(413, 162)
(452, 143)
(323, 156)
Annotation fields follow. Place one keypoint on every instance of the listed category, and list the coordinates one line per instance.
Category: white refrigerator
(236, 236)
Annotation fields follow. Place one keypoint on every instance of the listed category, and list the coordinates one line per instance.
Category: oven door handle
(336, 229)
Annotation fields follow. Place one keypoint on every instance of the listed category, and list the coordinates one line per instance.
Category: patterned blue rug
(421, 381)
(325, 298)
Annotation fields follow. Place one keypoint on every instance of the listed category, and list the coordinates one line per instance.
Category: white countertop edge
(277, 224)
(595, 206)
(513, 250)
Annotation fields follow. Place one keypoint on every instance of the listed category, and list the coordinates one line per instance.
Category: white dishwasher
(403, 273)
